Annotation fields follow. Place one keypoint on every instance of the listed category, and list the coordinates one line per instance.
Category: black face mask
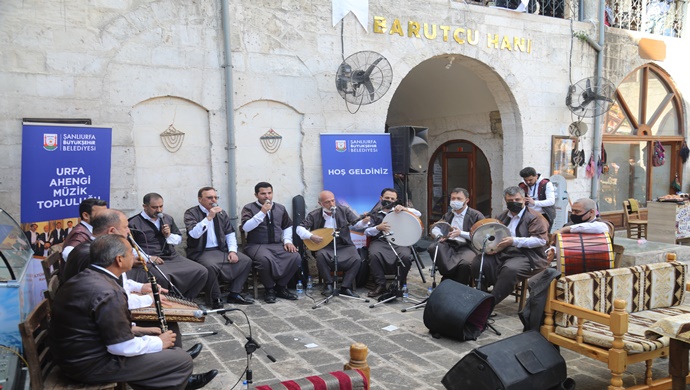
(515, 207)
(576, 219)
(386, 204)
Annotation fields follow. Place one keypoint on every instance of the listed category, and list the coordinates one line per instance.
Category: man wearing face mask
(584, 219)
(332, 215)
(455, 253)
(382, 259)
(519, 256)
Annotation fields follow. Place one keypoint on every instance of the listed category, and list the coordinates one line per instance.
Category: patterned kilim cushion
(337, 380)
(643, 287)
(634, 340)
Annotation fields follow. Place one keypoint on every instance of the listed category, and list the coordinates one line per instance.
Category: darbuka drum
(490, 230)
(406, 228)
(579, 252)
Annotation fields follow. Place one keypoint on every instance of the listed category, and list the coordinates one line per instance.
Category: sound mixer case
(526, 361)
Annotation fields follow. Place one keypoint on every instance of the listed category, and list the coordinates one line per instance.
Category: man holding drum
(455, 254)
(519, 256)
(382, 259)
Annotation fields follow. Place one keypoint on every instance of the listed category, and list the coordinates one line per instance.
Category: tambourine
(405, 228)
(487, 233)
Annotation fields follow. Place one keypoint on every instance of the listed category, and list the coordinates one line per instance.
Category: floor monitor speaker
(457, 311)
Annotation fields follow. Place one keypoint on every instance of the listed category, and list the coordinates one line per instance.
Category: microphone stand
(336, 292)
(433, 282)
(481, 276)
(250, 346)
(173, 288)
(396, 289)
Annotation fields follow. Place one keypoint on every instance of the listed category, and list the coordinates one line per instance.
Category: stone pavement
(405, 358)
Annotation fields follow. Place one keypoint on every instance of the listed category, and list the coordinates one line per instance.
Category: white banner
(360, 8)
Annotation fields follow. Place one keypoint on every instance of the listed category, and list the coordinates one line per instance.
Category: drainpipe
(596, 149)
(229, 113)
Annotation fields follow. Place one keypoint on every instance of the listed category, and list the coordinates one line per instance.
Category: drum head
(440, 229)
(406, 229)
(493, 233)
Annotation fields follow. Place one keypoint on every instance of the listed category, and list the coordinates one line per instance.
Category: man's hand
(266, 207)
(316, 238)
(165, 229)
(168, 339)
(529, 201)
(290, 247)
(506, 242)
(212, 213)
(383, 227)
(146, 288)
(156, 259)
(454, 232)
(232, 258)
(146, 331)
(400, 208)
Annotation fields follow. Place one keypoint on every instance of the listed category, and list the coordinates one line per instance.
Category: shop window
(647, 109)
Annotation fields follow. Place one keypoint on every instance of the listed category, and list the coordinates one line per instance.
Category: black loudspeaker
(409, 149)
(526, 361)
(457, 311)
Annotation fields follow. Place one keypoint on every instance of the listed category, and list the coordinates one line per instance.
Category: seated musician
(335, 216)
(211, 241)
(91, 337)
(157, 235)
(269, 243)
(583, 219)
(139, 295)
(519, 256)
(455, 252)
(382, 259)
(88, 208)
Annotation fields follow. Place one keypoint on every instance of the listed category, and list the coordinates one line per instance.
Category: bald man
(583, 219)
(332, 215)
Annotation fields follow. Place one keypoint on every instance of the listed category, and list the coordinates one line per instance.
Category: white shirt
(593, 227)
(259, 217)
(206, 226)
(550, 193)
(66, 250)
(523, 242)
(172, 239)
(136, 346)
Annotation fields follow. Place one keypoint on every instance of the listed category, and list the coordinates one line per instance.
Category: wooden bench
(44, 374)
(603, 315)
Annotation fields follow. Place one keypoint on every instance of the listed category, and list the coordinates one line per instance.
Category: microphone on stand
(333, 209)
(202, 313)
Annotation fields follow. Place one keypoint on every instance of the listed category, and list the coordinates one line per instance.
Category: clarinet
(154, 287)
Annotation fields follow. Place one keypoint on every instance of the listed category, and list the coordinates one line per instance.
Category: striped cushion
(634, 340)
(643, 287)
(337, 380)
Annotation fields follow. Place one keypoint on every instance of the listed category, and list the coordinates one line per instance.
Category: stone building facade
(487, 77)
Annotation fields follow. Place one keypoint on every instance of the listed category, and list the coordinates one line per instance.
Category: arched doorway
(458, 163)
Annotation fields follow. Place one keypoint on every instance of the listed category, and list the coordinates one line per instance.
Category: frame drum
(580, 252)
(484, 230)
(406, 228)
(440, 229)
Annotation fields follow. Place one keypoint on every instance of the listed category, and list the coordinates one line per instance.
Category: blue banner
(356, 167)
(61, 166)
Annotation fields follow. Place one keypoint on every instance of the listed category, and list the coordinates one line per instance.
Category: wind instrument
(154, 287)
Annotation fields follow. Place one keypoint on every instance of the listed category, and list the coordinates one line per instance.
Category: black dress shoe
(282, 292)
(348, 292)
(239, 299)
(270, 296)
(195, 350)
(380, 289)
(197, 381)
(327, 291)
(217, 304)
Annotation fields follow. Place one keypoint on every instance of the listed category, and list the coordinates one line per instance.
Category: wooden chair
(634, 223)
(43, 372)
(51, 265)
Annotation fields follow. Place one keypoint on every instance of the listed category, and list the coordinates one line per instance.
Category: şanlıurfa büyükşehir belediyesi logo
(340, 145)
(50, 142)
